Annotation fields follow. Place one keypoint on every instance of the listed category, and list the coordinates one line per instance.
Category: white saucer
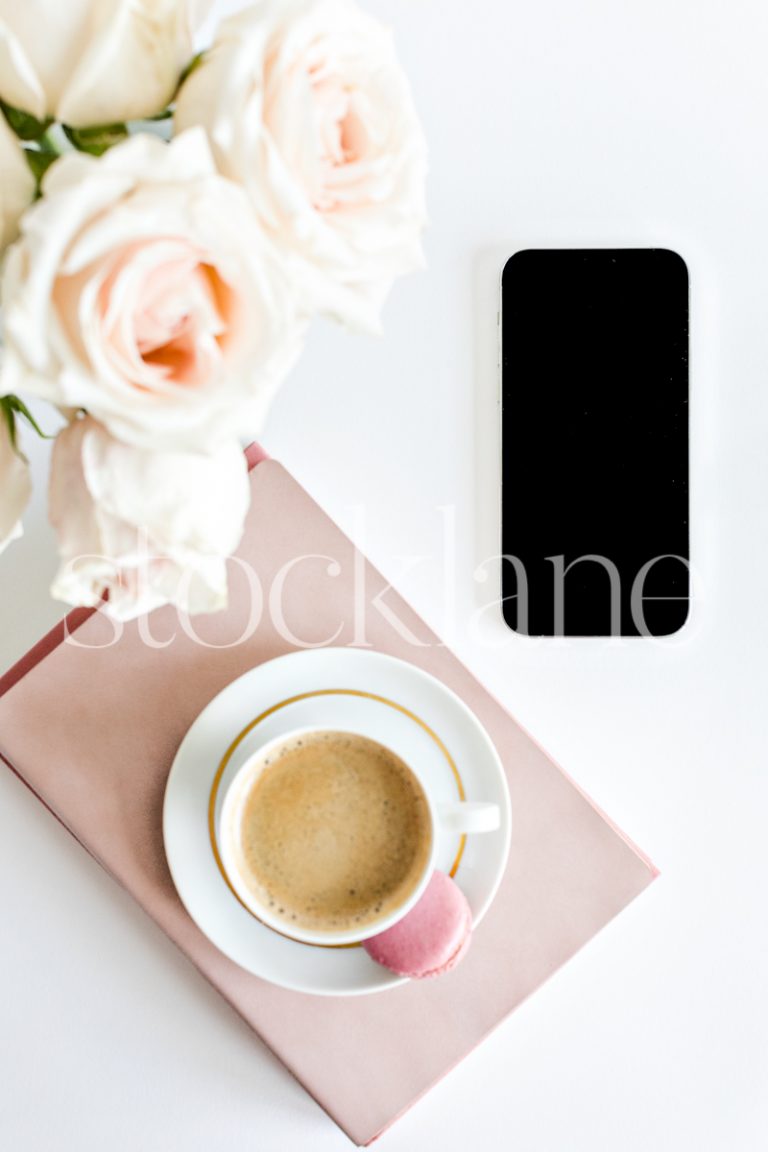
(355, 689)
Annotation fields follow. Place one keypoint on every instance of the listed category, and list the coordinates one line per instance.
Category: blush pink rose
(306, 106)
(149, 527)
(143, 290)
(95, 61)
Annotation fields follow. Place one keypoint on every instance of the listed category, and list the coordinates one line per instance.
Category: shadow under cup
(327, 835)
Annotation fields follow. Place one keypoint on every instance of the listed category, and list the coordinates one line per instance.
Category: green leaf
(97, 140)
(39, 162)
(8, 416)
(25, 126)
(14, 406)
(193, 66)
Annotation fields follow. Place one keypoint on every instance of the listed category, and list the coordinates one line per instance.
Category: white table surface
(572, 119)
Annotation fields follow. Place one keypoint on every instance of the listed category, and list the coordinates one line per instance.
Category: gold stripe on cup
(270, 712)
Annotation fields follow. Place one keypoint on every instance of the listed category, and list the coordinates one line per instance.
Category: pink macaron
(431, 938)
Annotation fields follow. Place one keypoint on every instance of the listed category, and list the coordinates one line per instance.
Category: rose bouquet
(170, 222)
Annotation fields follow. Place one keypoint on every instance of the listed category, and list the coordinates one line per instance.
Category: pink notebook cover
(114, 714)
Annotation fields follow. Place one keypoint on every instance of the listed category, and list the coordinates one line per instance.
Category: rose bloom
(149, 527)
(15, 486)
(88, 62)
(306, 106)
(143, 290)
(17, 184)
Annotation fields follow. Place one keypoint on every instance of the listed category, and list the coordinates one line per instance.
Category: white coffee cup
(445, 818)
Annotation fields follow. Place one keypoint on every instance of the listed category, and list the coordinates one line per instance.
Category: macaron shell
(458, 955)
(431, 938)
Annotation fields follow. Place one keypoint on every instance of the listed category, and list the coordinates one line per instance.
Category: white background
(564, 119)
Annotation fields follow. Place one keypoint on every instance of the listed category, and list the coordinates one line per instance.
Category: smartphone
(594, 399)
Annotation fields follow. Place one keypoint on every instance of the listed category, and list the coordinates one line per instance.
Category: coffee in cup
(330, 832)
(330, 836)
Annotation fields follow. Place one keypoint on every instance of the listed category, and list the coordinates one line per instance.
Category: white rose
(17, 184)
(88, 62)
(151, 527)
(306, 106)
(143, 290)
(15, 485)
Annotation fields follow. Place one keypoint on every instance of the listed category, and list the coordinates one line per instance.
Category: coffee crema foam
(334, 834)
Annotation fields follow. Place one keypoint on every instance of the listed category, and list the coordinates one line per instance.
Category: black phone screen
(594, 349)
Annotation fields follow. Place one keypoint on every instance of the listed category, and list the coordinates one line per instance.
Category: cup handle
(469, 816)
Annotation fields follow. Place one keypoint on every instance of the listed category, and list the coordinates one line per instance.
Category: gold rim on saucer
(270, 712)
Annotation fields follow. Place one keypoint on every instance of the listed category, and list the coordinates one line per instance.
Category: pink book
(92, 727)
